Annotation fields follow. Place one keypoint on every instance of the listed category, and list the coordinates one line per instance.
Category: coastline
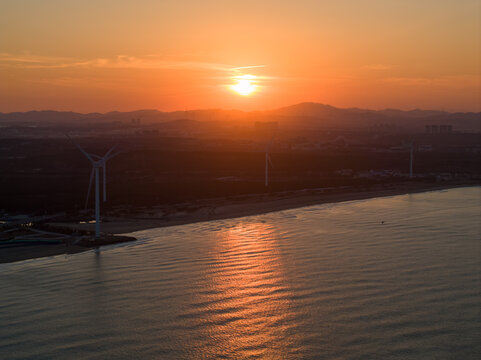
(233, 207)
(222, 208)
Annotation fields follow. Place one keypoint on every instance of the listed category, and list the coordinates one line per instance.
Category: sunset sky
(106, 55)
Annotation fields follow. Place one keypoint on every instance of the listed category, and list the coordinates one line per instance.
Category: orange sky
(108, 55)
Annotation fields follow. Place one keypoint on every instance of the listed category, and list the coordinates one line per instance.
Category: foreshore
(223, 208)
(232, 207)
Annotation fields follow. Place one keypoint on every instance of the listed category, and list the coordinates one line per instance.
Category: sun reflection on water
(249, 307)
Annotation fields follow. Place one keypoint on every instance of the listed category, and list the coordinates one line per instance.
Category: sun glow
(245, 84)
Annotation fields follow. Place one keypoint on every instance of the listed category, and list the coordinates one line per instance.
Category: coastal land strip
(217, 209)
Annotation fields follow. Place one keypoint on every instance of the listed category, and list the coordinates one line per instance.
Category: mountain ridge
(299, 107)
(306, 115)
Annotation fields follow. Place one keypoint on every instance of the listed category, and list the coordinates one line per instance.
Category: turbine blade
(90, 187)
(108, 152)
(82, 150)
(269, 160)
(111, 156)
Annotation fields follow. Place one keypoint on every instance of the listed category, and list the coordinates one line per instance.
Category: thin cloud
(28, 61)
(378, 67)
(450, 80)
(76, 82)
(248, 67)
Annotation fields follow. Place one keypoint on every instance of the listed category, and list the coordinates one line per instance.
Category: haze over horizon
(305, 103)
(100, 56)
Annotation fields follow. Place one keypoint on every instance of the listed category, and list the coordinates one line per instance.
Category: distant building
(439, 129)
(445, 129)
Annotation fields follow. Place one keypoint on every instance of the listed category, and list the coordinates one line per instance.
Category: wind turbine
(97, 164)
(268, 162)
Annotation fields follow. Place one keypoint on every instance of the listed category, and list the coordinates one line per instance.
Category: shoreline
(228, 208)
(220, 209)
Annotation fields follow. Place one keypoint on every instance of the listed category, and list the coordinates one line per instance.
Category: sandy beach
(232, 207)
(220, 208)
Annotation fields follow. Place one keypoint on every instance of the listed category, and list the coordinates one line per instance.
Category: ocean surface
(386, 278)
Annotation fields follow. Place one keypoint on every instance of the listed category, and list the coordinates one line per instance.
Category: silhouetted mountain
(417, 113)
(67, 117)
(314, 115)
(308, 109)
(45, 116)
(304, 115)
(321, 110)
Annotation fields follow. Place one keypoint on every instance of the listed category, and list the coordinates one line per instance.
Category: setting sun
(245, 85)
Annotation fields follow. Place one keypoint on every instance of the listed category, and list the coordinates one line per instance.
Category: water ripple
(321, 282)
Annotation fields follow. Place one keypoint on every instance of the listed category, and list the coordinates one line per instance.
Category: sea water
(385, 278)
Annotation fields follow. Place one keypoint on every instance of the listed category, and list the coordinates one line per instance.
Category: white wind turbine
(97, 164)
(268, 162)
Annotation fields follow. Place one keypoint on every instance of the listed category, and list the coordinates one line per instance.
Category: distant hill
(304, 115)
(55, 117)
(314, 115)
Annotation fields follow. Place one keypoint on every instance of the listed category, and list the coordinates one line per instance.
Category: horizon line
(246, 111)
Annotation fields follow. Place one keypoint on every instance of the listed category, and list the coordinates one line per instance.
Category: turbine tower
(268, 162)
(97, 164)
